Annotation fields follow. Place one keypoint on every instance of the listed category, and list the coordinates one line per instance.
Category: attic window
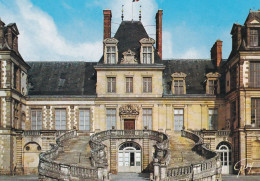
(254, 37)
(178, 83)
(110, 51)
(212, 82)
(61, 83)
(147, 51)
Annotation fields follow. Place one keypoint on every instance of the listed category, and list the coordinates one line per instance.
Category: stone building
(132, 88)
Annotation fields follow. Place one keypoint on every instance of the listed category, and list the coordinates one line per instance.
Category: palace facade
(132, 88)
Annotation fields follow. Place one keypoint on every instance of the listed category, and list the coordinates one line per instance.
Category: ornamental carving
(128, 57)
(110, 41)
(147, 41)
(179, 75)
(213, 75)
(129, 110)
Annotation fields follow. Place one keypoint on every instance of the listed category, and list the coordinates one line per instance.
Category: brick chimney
(107, 23)
(159, 32)
(216, 53)
(2, 36)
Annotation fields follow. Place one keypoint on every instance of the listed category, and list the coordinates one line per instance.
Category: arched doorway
(129, 157)
(31, 157)
(224, 150)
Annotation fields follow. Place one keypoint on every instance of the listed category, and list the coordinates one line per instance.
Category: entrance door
(129, 158)
(225, 156)
(129, 124)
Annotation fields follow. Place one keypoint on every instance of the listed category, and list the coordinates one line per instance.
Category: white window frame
(111, 118)
(178, 119)
(213, 118)
(37, 121)
(59, 121)
(148, 118)
(111, 84)
(84, 119)
(129, 84)
(147, 84)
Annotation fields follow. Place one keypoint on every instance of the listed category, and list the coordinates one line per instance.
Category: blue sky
(73, 29)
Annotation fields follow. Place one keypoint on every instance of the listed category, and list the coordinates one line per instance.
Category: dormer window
(111, 54)
(147, 51)
(178, 83)
(212, 86)
(254, 37)
(110, 51)
(147, 55)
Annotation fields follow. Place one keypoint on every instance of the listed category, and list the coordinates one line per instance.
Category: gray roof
(196, 69)
(79, 78)
(62, 78)
(129, 34)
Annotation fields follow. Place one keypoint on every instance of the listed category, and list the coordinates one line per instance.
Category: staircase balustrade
(49, 169)
(161, 156)
(208, 169)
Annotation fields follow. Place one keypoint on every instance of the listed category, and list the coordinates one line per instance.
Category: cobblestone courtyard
(129, 177)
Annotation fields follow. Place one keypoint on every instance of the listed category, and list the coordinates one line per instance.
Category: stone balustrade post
(163, 172)
(156, 170)
(65, 172)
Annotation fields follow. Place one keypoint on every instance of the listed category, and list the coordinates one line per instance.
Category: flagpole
(132, 10)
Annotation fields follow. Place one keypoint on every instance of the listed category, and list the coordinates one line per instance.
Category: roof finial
(122, 13)
(140, 13)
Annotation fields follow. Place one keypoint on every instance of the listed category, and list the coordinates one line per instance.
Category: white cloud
(191, 53)
(40, 38)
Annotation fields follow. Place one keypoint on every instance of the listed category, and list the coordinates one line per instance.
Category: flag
(135, 0)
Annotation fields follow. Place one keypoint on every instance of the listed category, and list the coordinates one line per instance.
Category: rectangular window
(147, 84)
(255, 112)
(84, 119)
(36, 119)
(233, 78)
(254, 37)
(111, 54)
(129, 84)
(111, 84)
(147, 55)
(148, 118)
(60, 119)
(254, 74)
(178, 119)
(213, 119)
(213, 87)
(111, 118)
(178, 87)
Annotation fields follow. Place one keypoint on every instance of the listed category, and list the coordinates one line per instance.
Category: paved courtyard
(130, 177)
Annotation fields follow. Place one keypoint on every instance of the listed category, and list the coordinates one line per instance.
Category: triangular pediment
(254, 21)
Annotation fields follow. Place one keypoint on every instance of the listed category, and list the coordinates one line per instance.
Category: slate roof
(129, 34)
(62, 78)
(195, 69)
(79, 78)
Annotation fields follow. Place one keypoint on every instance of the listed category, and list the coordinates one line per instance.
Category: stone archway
(129, 157)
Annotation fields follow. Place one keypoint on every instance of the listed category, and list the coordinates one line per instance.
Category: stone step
(181, 151)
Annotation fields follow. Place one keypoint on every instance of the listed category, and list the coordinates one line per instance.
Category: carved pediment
(178, 75)
(129, 109)
(129, 57)
(110, 41)
(147, 41)
(213, 75)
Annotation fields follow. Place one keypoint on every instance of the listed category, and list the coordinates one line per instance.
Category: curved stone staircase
(76, 152)
(181, 151)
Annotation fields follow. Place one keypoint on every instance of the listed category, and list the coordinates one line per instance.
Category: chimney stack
(107, 23)
(159, 32)
(216, 53)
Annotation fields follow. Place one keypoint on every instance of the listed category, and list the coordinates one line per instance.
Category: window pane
(178, 119)
(60, 119)
(111, 118)
(147, 118)
(213, 119)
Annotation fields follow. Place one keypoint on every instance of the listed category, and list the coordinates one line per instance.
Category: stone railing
(161, 156)
(215, 133)
(41, 132)
(49, 169)
(208, 169)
